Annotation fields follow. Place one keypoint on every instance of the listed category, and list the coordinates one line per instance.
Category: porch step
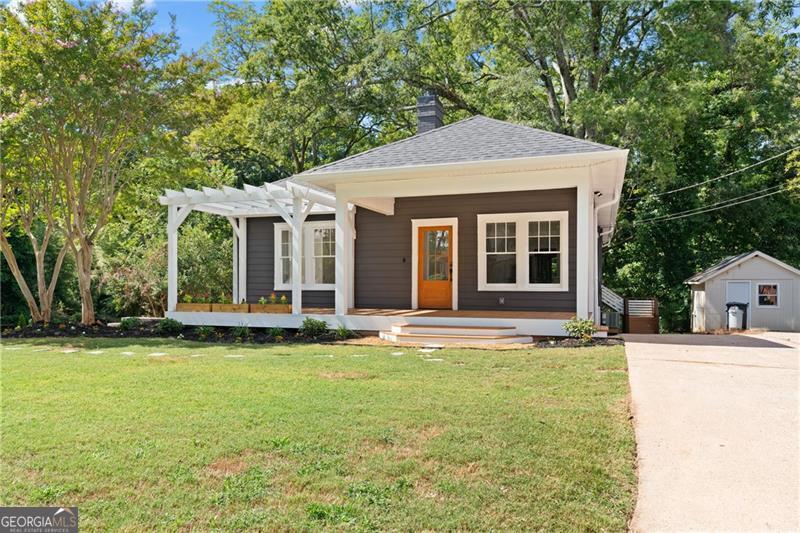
(454, 334)
(453, 330)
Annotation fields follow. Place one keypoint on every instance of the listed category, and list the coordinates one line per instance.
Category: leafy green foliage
(342, 333)
(581, 329)
(241, 333)
(313, 328)
(129, 323)
(205, 333)
(277, 333)
(169, 326)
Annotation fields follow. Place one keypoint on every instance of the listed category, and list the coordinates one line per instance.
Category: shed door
(738, 291)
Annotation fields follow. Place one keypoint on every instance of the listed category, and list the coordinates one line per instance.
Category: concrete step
(453, 330)
(439, 338)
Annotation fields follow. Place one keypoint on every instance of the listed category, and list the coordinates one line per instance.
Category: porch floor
(444, 313)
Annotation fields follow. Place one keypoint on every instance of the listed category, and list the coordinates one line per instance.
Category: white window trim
(777, 294)
(417, 223)
(308, 255)
(521, 220)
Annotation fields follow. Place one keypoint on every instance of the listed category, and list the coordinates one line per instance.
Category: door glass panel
(437, 255)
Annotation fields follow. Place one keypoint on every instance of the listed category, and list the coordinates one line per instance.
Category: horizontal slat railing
(642, 308)
(612, 299)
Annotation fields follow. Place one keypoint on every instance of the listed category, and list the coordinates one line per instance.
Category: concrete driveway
(717, 432)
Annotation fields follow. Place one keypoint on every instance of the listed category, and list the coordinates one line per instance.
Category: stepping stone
(328, 356)
(433, 360)
(427, 350)
(196, 355)
(126, 353)
(95, 352)
(234, 356)
(437, 346)
(14, 348)
(69, 350)
(398, 353)
(156, 354)
(360, 355)
(40, 350)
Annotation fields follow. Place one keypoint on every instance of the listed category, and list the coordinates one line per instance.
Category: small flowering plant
(272, 298)
(262, 301)
(284, 299)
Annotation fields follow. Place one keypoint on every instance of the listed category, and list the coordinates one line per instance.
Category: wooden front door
(435, 268)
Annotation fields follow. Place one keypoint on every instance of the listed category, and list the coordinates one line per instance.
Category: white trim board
(307, 255)
(543, 327)
(417, 223)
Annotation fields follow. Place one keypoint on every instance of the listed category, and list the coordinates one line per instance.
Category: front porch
(534, 323)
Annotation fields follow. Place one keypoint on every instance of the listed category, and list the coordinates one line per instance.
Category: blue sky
(194, 22)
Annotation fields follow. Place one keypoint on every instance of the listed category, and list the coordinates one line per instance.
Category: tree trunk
(11, 259)
(83, 264)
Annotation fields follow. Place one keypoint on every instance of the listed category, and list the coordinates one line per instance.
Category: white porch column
(343, 246)
(175, 217)
(242, 261)
(297, 255)
(235, 281)
(582, 259)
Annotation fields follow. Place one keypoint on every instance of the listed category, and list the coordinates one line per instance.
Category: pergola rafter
(293, 203)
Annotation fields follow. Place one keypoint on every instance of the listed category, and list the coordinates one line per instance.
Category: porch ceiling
(266, 200)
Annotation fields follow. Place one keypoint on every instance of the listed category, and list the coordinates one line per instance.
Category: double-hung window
(523, 252)
(318, 257)
(768, 295)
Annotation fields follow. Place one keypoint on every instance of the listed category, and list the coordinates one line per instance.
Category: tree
(89, 85)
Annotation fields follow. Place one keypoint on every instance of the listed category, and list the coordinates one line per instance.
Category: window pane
(500, 245)
(501, 268)
(544, 268)
(768, 295)
(555, 244)
(490, 229)
(324, 270)
(555, 227)
(490, 245)
(286, 270)
(533, 244)
(501, 230)
(511, 229)
(511, 244)
(533, 229)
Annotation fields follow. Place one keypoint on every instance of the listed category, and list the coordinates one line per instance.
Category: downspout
(596, 269)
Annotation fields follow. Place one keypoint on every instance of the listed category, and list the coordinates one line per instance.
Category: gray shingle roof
(476, 138)
(713, 269)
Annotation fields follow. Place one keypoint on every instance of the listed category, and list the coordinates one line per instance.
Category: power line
(723, 176)
(721, 202)
(685, 214)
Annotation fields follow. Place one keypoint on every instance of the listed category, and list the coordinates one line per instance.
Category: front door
(435, 269)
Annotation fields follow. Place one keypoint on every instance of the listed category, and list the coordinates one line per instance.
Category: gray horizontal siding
(261, 263)
(383, 249)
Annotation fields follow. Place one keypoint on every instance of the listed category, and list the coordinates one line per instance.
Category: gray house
(480, 228)
(770, 288)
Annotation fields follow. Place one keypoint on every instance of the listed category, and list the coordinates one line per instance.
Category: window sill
(524, 288)
(316, 287)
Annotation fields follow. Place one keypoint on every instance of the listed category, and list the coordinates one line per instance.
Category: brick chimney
(430, 114)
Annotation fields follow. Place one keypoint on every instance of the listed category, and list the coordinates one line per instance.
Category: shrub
(170, 326)
(187, 298)
(342, 333)
(241, 333)
(205, 332)
(22, 320)
(313, 328)
(277, 333)
(129, 323)
(262, 301)
(581, 329)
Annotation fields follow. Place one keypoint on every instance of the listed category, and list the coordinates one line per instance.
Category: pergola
(293, 203)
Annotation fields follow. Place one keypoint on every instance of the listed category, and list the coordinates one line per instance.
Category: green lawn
(310, 436)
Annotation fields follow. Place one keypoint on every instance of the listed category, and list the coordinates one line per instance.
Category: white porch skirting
(544, 327)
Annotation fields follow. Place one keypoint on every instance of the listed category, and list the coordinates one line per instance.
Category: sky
(194, 22)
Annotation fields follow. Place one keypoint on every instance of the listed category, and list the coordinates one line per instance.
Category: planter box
(271, 308)
(193, 307)
(230, 308)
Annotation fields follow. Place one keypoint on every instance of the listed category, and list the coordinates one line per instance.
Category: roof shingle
(476, 138)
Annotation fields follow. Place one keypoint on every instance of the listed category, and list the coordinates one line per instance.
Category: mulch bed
(149, 329)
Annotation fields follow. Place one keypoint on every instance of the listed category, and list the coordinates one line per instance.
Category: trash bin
(737, 315)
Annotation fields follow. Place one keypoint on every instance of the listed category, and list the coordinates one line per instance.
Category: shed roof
(731, 261)
(477, 138)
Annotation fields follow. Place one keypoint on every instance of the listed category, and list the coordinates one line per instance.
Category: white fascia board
(762, 255)
(476, 183)
(333, 179)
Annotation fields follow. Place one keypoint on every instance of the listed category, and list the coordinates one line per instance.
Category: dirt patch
(344, 375)
(417, 443)
(227, 466)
